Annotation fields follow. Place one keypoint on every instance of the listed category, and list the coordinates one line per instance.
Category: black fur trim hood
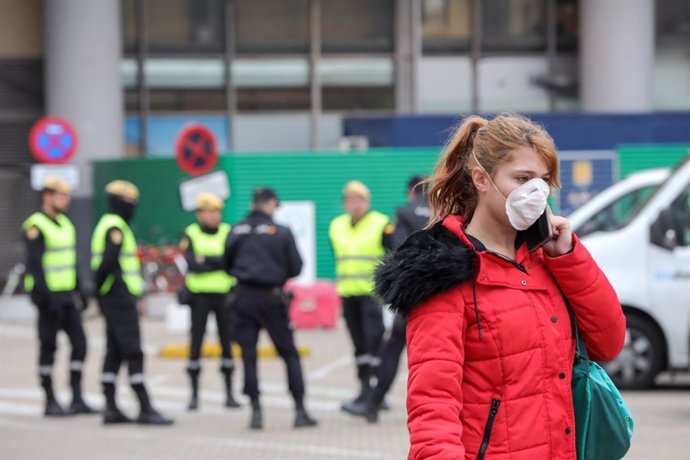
(428, 263)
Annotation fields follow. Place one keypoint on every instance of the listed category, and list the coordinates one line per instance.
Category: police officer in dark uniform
(117, 275)
(208, 285)
(53, 283)
(408, 219)
(262, 255)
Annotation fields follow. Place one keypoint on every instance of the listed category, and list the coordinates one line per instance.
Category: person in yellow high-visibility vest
(358, 238)
(119, 285)
(208, 285)
(408, 219)
(52, 280)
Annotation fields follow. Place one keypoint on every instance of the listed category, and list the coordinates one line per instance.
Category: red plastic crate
(314, 305)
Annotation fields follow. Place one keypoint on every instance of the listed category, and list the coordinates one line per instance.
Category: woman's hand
(562, 237)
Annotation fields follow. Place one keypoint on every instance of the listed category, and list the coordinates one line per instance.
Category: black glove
(230, 298)
(286, 298)
(81, 300)
(183, 296)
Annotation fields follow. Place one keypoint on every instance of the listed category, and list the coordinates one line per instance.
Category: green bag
(603, 423)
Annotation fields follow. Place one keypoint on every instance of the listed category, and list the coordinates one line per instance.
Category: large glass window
(446, 26)
(269, 99)
(130, 35)
(272, 26)
(185, 26)
(357, 26)
(672, 56)
(513, 25)
(187, 100)
(357, 83)
(359, 98)
(673, 23)
(567, 25)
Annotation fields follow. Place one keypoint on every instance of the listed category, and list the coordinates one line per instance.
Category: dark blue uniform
(262, 255)
(408, 219)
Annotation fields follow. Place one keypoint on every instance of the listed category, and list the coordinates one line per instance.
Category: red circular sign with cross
(196, 151)
(53, 140)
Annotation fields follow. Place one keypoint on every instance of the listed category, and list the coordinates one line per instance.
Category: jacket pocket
(495, 402)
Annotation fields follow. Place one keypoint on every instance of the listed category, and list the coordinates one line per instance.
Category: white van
(614, 207)
(639, 235)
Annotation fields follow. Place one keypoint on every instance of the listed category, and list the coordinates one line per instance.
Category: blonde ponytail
(451, 190)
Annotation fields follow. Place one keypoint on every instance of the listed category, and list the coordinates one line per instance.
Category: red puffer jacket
(490, 344)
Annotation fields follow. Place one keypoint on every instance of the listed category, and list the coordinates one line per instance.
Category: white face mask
(526, 203)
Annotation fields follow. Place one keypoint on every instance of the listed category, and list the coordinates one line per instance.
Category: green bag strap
(580, 348)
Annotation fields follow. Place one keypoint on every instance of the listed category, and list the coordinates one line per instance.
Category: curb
(213, 350)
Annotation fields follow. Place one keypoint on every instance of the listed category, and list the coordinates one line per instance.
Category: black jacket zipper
(487, 429)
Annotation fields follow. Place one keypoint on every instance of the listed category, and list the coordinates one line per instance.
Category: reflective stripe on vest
(207, 245)
(358, 251)
(59, 259)
(128, 260)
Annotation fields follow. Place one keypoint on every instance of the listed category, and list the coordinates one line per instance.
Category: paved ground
(662, 416)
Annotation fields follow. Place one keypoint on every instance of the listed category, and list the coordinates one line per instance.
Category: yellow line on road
(213, 350)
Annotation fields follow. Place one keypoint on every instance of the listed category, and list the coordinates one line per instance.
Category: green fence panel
(296, 176)
(159, 218)
(320, 177)
(633, 158)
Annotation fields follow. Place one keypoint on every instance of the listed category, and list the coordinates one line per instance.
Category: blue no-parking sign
(53, 140)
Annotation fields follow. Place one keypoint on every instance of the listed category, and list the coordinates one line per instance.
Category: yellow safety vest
(128, 260)
(207, 245)
(60, 257)
(358, 250)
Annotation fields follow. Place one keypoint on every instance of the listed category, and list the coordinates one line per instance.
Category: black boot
(359, 403)
(52, 408)
(78, 405)
(112, 414)
(372, 412)
(148, 415)
(256, 422)
(230, 401)
(302, 418)
(194, 382)
(369, 410)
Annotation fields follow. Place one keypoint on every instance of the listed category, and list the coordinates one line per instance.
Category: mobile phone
(540, 232)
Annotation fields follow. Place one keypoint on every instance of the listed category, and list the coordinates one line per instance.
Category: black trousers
(391, 350)
(60, 313)
(364, 320)
(259, 308)
(201, 305)
(123, 338)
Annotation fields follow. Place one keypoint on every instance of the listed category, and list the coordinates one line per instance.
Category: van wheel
(642, 356)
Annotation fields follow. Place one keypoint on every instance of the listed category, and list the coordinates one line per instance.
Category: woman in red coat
(489, 337)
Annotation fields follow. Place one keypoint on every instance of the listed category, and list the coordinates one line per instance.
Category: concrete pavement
(662, 416)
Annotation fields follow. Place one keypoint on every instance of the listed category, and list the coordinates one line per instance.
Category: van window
(680, 209)
(619, 213)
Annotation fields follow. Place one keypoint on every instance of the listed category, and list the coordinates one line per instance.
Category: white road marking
(292, 448)
(325, 371)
